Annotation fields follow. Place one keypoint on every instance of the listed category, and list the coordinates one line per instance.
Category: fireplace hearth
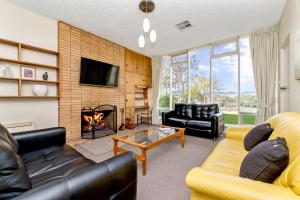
(98, 122)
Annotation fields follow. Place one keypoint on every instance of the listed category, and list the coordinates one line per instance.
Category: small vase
(40, 90)
(45, 76)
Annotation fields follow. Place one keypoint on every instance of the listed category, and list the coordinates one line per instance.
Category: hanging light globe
(153, 35)
(146, 25)
(141, 41)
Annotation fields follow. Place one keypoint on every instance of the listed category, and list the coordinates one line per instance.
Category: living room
(149, 99)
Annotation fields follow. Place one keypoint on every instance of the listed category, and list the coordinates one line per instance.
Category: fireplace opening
(98, 122)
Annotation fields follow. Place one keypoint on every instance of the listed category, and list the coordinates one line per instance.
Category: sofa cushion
(5, 135)
(197, 124)
(257, 135)
(204, 111)
(183, 111)
(14, 179)
(39, 162)
(177, 122)
(226, 157)
(61, 172)
(266, 161)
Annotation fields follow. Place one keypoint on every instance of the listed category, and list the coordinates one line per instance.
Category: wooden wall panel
(73, 44)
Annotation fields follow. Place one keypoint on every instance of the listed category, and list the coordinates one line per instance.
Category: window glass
(225, 48)
(179, 58)
(248, 100)
(164, 101)
(179, 83)
(225, 86)
(200, 75)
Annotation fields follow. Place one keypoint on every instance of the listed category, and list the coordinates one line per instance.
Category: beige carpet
(167, 165)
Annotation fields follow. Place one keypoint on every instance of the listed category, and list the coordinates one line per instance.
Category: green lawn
(233, 119)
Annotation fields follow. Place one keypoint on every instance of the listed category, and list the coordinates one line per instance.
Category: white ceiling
(120, 20)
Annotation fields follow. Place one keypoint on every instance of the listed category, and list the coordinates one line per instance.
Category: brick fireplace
(98, 122)
(73, 44)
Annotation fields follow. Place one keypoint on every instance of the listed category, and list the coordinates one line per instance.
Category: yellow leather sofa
(218, 177)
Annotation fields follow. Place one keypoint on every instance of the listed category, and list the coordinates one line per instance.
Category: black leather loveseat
(197, 119)
(38, 165)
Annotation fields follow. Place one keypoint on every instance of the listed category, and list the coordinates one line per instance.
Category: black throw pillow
(257, 135)
(266, 161)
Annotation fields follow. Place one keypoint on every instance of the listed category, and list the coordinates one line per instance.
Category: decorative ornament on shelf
(45, 76)
(6, 71)
(40, 90)
(147, 6)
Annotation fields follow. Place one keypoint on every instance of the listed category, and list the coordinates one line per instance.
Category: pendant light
(152, 36)
(146, 25)
(141, 41)
(147, 6)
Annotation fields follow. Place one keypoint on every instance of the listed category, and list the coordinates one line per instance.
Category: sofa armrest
(39, 139)
(217, 123)
(223, 186)
(115, 178)
(237, 133)
(166, 115)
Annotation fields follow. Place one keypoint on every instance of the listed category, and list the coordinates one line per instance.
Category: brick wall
(74, 43)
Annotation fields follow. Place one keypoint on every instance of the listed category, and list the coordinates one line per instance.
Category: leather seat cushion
(39, 162)
(196, 124)
(61, 172)
(177, 122)
(227, 157)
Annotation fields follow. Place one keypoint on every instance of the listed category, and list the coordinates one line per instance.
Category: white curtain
(156, 77)
(264, 52)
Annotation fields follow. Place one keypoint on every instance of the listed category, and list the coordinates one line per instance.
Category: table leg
(115, 147)
(144, 161)
(182, 139)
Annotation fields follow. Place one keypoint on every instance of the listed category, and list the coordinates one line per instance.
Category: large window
(220, 73)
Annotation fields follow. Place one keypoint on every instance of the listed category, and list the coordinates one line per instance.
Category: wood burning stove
(98, 122)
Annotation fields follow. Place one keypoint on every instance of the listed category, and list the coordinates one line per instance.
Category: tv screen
(94, 72)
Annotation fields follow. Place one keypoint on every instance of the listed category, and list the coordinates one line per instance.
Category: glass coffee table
(147, 139)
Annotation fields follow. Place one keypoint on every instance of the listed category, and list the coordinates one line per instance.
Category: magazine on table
(166, 130)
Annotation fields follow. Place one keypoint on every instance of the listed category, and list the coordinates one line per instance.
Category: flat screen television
(98, 73)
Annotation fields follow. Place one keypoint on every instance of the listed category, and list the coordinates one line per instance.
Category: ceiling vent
(183, 25)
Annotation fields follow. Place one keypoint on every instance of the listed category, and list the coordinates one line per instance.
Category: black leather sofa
(198, 119)
(38, 165)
